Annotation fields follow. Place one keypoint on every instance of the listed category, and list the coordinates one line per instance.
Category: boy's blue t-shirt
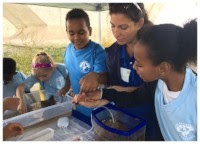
(54, 84)
(81, 62)
(178, 119)
(9, 90)
(131, 78)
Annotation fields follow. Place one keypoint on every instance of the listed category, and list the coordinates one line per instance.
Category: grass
(23, 55)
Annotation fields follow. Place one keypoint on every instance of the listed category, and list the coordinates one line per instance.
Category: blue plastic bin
(129, 126)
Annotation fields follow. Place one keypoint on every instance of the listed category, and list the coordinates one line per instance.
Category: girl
(52, 77)
(161, 57)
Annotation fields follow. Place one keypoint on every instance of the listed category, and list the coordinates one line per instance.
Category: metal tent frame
(86, 6)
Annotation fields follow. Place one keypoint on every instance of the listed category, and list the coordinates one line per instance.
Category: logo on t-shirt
(85, 66)
(186, 130)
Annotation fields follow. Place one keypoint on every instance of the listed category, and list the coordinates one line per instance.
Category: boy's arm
(102, 78)
(12, 130)
(92, 81)
(19, 94)
(66, 88)
(23, 76)
(10, 103)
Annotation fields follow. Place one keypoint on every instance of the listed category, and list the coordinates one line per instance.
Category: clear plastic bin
(39, 99)
(126, 127)
(62, 106)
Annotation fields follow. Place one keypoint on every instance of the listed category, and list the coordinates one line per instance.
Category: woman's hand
(11, 130)
(94, 103)
(91, 99)
(91, 96)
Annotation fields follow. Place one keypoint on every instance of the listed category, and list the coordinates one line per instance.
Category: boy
(11, 77)
(82, 56)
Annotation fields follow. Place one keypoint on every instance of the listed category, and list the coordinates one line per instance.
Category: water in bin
(40, 99)
(125, 127)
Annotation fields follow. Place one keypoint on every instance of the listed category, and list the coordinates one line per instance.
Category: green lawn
(23, 55)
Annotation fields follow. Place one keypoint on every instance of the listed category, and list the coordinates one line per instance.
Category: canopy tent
(43, 24)
(97, 7)
(85, 6)
(31, 25)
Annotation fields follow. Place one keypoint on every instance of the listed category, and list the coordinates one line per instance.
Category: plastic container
(42, 98)
(37, 100)
(39, 115)
(43, 135)
(126, 126)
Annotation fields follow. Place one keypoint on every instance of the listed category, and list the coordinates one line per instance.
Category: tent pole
(99, 13)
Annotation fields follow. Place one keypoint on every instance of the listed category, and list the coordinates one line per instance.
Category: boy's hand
(22, 107)
(11, 130)
(10, 103)
(89, 82)
(63, 91)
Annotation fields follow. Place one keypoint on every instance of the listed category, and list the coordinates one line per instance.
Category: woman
(126, 21)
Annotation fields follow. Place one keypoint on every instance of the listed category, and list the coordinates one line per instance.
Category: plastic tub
(37, 100)
(39, 115)
(126, 127)
(42, 98)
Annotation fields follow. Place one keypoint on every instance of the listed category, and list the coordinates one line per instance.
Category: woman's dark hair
(9, 66)
(78, 14)
(171, 43)
(130, 10)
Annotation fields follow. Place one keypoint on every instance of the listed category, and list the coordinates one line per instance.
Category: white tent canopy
(43, 24)
(85, 6)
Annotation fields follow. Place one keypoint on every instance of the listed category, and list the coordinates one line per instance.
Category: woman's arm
(122, 89)
(142, 95)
